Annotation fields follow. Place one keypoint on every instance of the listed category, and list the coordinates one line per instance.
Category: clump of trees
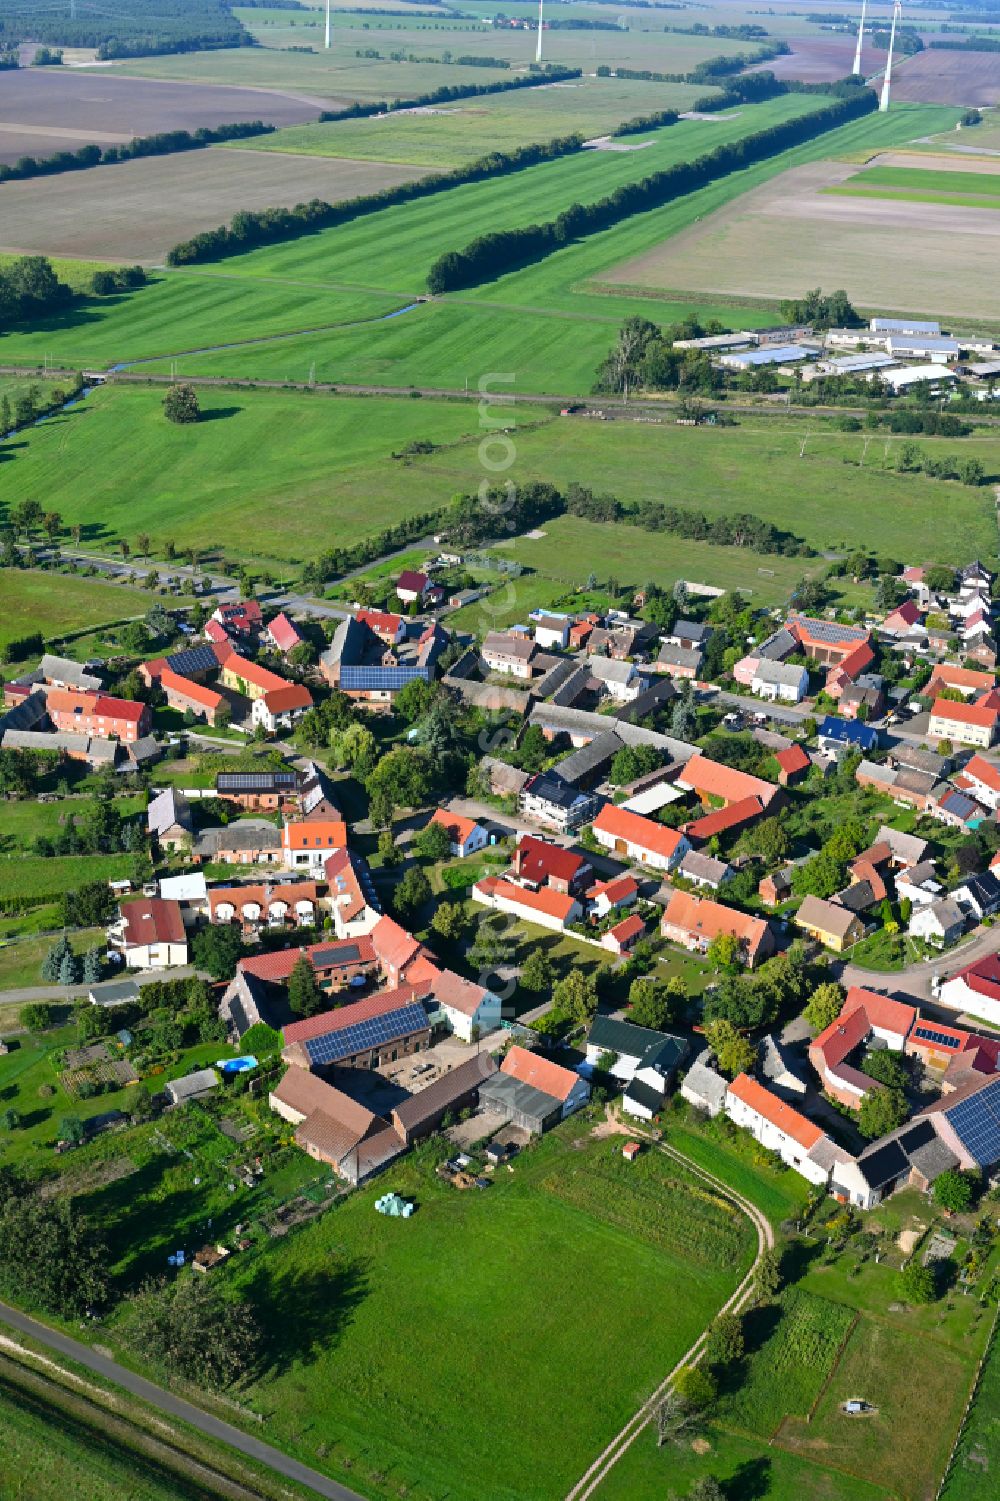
(30, 288)
(181, 404)
(822, 310)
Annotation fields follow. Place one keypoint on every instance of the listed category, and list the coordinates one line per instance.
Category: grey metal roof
(168, 808)
(570, 688)
(786, 673)
(191, 1085)
(67, 671)
(696, 866)
(511, 1094)
(614, 1036)
(245, 834)
(680, 656)
(590, 758)
(704, 1082)
(578, 722)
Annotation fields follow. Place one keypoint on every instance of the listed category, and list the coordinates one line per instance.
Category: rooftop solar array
(930, 1034)
(342, 953)
(196, 659)
(976, 1122)
(828, 630)
(255, 781)
(380, 679)
(362, 1037)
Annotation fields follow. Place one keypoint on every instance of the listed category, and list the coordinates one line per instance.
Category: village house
(306, 844)
(282, 634)
(98, 715)
(351, 895)
(149, 934)
(334, 1129)
(240, 618)
(469, 1010)
(966, 724)
(412, 587)
(386, 625)
(538, 863)
(703, 1087)
(776, 1125)
(775, 888)
(940, 922)
(508, 653)
(248, 841)
(555, 804)
(623, 937)
(265, 791)
(551, 629)
(679, 661)
(780, 681)
(620, 680)
(864, 1016)
(963, 679)
(694, 922)
(981, 779)
(644, 840)
(364, 1034)
(281, 708)
(466, 837)
(839, 738)
(704, 870)
(253, 908)
(793, 764)
(188, 697)
(168, 820)
(830, 923)
(611, 896)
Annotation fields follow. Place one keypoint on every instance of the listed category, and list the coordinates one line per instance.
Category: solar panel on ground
(364, 1036)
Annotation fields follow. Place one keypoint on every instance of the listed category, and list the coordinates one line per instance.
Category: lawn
(978, 1455)
(26, 880)
(54, 603)
(365, 1302)
(22, 822)
(21, 959)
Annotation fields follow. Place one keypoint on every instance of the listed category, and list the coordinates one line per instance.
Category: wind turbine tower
(538, 49)
(328, 25)
(897, 11)
(861, 39)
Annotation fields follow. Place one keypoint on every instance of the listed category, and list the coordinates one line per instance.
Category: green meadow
(56, 602)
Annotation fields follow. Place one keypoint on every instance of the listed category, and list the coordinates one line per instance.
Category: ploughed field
(135, 211)
(940, 76)
(47, 110)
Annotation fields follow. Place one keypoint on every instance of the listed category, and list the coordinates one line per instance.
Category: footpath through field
(623, 1441)
(177, 1407)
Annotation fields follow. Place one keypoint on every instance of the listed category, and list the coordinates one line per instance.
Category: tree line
(252, 227)
(165, 143)
(30, 288)
(538, 74)
(734, 530)
(642, 123)
(493, 254)
(139, 28)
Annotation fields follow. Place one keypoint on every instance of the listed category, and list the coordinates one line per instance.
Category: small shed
(191, 1087)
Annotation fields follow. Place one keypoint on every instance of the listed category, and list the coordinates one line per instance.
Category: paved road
(177, 1407)
(80, 992)
(916, 978)
(619, 1446)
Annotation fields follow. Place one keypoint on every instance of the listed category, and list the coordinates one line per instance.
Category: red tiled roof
(642, 833)
(888, 1015)
(173, 682)
(277, 966)
(961, 713)
(537, 860)
(216, 633)
(842, 1036)
(456, 825)
(551, 1078)
(908, 613)
(631, 928)
(721, 819)
(318, 833)
(551, 903)
(983, 976)
(152, 920)
(766, 1104)
(984, 771)
(283, 632)
(412, 581)
(792, 759)
(616, 890)
(963, 678)
(252, 672)
(713, 779)
(289, 696)
(382, 622)
(393, 945)
(698, 915)
(460, 994)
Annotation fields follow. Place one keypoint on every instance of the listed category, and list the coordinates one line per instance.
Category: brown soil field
(822, 59)
(788, 235)
(64, 110)
(941, 77)
(135, 211)
(928, 161)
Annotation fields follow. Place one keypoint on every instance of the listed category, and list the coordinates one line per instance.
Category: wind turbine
(328, 25)
(538, 49)
(897, 11)
(861, 38)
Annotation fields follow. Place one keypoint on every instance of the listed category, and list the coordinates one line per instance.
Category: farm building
(533, 1093)
(774, 354)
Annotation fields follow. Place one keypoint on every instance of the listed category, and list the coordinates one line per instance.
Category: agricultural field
(54, 603)
(749, 249)
(939, 76)
(61, 109)
(822, 58)
(450, 135)
(28, 880)
(977, 1461)
(192, 486)
(135, 211)
(923, 180)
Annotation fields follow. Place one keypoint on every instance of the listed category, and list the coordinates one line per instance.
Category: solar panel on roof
(343, 953)
(255, 781)
(976, 1123)
(928, 1034)
(363, 1036)
(381, 679)
(197, 659)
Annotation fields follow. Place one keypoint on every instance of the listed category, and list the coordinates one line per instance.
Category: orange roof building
(634, 837)
(969, 724)
(971, 683)
(774, 1124)
(308, 843)
(540, 1073)
(545, 907)
(710, 779)
(694, 921)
